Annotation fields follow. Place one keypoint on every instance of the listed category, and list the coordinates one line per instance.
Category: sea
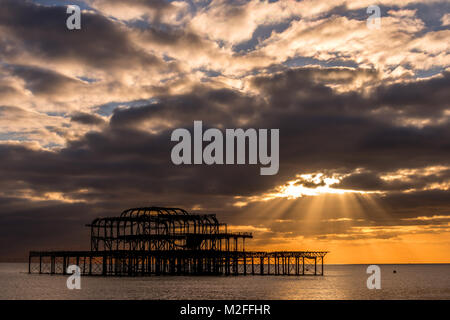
(399, 281)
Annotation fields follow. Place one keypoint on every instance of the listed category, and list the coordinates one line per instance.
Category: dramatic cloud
(86, 118)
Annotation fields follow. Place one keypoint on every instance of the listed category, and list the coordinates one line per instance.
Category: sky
(86, 118)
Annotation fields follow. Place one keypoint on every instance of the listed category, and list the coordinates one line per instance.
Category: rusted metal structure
(170, 241)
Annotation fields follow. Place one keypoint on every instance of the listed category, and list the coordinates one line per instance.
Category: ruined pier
(170, 241)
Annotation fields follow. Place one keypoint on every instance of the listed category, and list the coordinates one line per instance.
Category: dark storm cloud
(167, 35)
(214, 106)
(27, 225)
(127, 165)
(419, 203)
(323, 130)
(311, 140)
(43, 81)
(86, 118)
(152, 4)
(427, 98)
(42, 32)
(371, 181)
(121, 162)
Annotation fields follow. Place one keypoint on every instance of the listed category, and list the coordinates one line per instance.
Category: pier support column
(52, 265)
(275, 265)
(315, 265)
(278, 265)
(322, 265)
(64, 265)
(261, 266)
(289, 266)
(303, 266)
(104, 265)
(253, 266)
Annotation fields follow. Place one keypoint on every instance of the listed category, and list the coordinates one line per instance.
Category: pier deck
(145, 263)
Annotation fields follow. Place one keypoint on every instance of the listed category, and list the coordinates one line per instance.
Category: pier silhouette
(170, 241)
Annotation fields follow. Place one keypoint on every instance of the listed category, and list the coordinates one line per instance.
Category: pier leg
(52, 265)
(315, 265)
(104, 265)
(226, 266)
(289, 266)
(322, 265)
(278, 265)
(261, 266)
(253, 266)
(303, 266)
(275, 266)
(64, 265)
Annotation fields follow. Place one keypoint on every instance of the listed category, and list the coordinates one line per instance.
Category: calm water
(339, 282)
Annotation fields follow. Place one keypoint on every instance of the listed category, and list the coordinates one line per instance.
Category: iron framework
(170, 241)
